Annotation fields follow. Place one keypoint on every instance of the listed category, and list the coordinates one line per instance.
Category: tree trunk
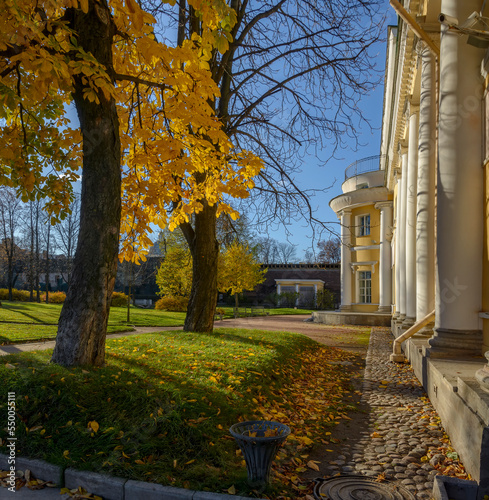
(31, 258)
(83, 322)
(205, 252)
(38, 265)
(47, 263)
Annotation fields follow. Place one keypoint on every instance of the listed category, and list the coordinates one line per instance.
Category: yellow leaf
(190, 462)
(66, 454)
(213, 379)
(312, 465)
(93, 425)
(84, 5)
(232, 490)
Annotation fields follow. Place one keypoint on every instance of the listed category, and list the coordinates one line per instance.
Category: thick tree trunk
(205, 252)
(83, 322)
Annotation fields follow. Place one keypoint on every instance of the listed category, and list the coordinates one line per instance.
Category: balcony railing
(369, 164)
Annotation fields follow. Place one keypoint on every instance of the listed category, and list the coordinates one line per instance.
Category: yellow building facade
(365, 213)
(428, 206)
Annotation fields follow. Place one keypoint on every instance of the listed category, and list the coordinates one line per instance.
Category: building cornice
(361, 197)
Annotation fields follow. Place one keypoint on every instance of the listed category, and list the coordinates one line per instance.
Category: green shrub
(172, 304)
(325, 300)
(18, 295)
(119, 299)
(54, 297)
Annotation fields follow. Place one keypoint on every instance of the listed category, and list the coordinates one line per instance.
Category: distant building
(304, 281)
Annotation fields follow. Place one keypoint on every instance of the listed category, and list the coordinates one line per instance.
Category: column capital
(434, 29)
(403, 149)
(413, 108)
(383, 205)
(344, 211)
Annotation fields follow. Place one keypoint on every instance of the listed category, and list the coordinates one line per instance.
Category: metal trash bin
(259, 440)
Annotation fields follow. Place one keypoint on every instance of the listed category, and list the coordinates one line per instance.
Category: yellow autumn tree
(239, 270)
(148, 138)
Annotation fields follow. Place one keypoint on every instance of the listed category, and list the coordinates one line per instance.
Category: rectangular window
(364, 225)
(365, 287)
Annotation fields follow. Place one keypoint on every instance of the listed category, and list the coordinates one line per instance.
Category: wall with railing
(369, 164)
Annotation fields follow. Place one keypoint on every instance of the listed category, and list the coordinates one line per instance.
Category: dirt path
(342, 336)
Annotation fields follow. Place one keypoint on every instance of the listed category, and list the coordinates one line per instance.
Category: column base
(385, 309)
(426, 332)
(346, 308)
(408, 323)
(454, 344)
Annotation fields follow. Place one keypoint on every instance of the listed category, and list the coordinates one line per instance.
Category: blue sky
(331, 172)
(323, 172)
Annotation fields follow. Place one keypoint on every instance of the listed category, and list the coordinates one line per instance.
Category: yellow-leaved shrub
(172, 304)
(119, 299)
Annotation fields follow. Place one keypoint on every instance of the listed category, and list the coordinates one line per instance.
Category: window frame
(365, 289)
(363, 229)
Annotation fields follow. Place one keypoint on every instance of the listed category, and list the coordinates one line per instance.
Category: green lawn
(161, 408)
(271, 312)
(27, 321)
(11, 333)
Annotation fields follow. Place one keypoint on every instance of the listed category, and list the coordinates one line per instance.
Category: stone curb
(40, 469)
(109, 487)
(452, 488)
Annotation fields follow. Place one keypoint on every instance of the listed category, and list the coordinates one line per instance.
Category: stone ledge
(40, 469)
(108, 487)
(452, 488)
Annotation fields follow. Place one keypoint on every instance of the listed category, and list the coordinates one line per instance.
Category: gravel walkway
(401, 439)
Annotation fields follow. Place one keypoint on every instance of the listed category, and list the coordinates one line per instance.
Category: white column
(402, 240)
(385, 269)
(297, 291)
(412, 174)
(345, 218)
(425, 216)
(459, 194)
(398, 246)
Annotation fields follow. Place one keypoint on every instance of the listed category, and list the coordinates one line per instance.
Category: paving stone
(402, 436)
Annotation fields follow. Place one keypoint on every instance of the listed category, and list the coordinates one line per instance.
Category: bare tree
(10, 223)
(329, 251)
(266, 248)
(286, 252)
(290, 83)
(67, 232)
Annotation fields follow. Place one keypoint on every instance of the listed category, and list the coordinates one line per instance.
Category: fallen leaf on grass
(232, 490)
